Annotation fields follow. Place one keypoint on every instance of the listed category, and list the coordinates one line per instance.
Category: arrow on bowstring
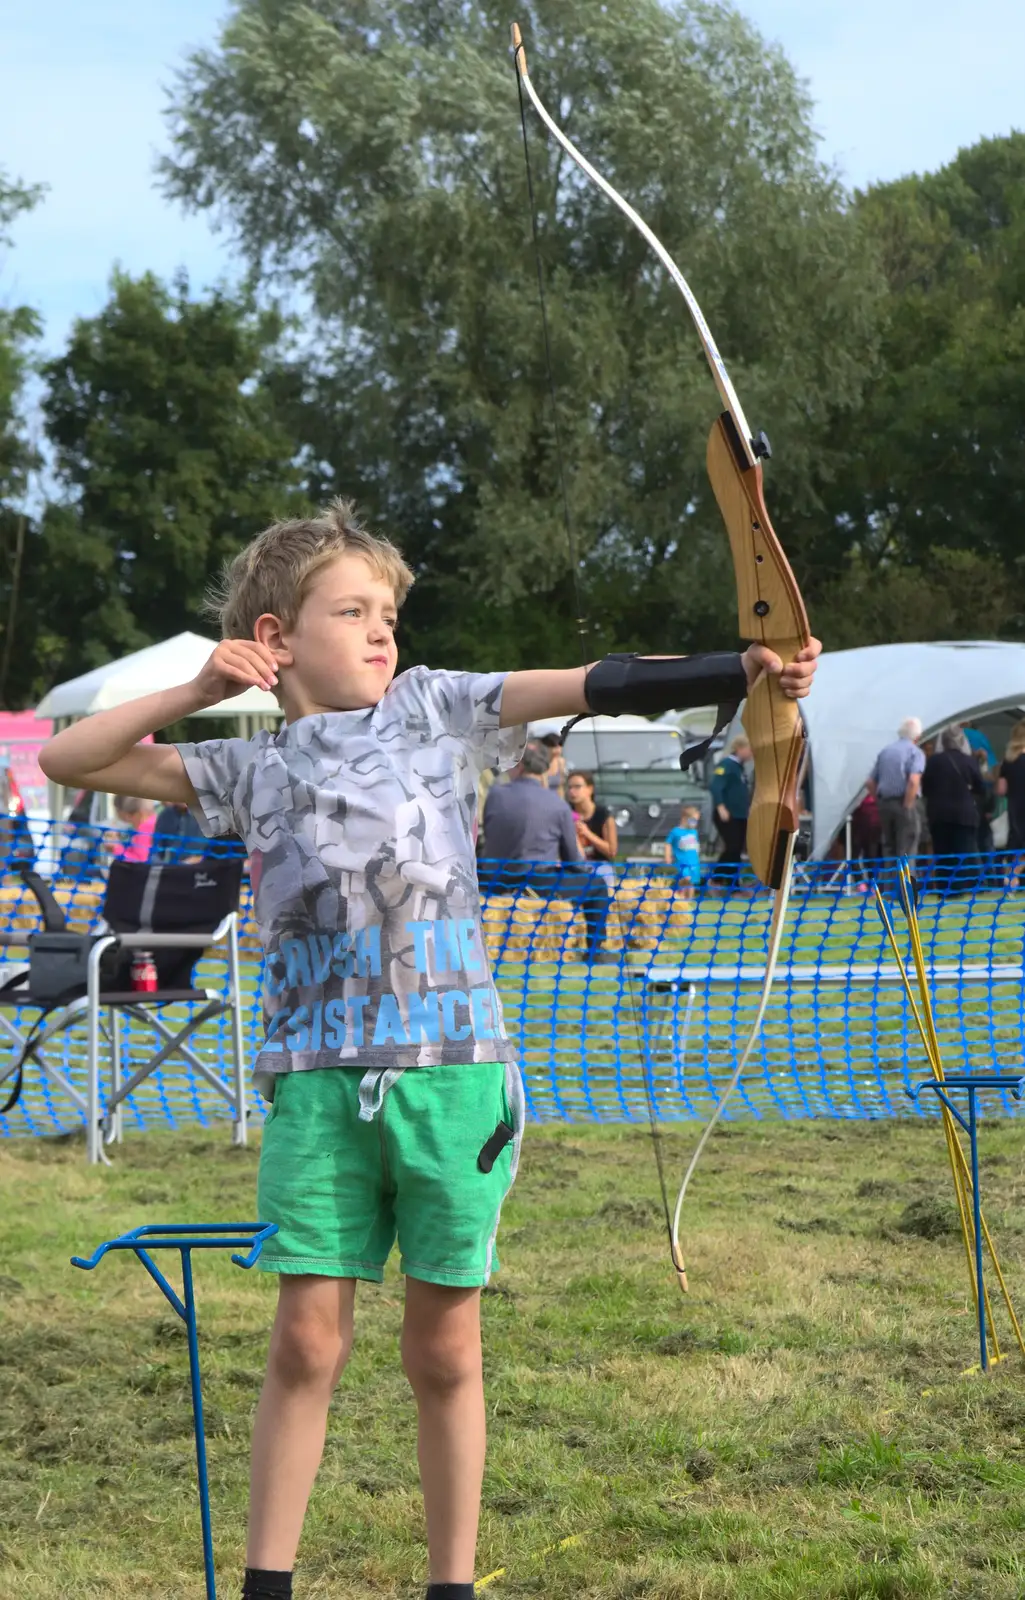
(770, 612)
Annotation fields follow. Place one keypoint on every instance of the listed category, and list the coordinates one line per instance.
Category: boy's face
(341, 653)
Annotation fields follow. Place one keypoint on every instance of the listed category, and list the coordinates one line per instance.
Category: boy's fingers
(767, 660)
(264, 661)
(251, 659)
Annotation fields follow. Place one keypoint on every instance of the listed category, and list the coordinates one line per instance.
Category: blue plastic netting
(838, 1038)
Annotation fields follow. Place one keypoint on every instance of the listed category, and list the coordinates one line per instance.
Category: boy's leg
(441, 1354)
(452, 1134)
(309, 1346)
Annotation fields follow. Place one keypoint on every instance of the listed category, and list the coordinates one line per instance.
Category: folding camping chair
(176, 912)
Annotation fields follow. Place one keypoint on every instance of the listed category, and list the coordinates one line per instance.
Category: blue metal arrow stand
(186, 1237)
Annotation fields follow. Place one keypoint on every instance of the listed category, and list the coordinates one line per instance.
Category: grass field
(798, 1426)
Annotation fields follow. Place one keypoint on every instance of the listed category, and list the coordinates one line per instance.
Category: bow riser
(770, 611)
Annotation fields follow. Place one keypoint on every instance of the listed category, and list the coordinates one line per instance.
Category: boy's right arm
(103, 751)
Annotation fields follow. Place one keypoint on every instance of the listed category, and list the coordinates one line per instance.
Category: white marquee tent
(861, 697)
(159, 666)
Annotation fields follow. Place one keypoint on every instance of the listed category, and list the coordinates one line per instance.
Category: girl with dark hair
(595, 824)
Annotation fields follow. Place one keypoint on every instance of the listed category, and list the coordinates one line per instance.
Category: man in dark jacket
(954, 795)
(731, 802)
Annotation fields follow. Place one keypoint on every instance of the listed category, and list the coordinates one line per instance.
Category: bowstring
(550, 370)
(577, 594)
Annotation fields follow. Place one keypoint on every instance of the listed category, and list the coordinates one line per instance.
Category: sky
(899, 86)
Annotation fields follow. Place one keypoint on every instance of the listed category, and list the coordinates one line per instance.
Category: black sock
(263, 1585)
(450, 1591)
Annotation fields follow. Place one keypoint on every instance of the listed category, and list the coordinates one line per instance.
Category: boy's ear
(267, 630)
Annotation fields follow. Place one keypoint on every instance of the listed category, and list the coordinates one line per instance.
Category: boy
(683, 852)
(395, 1101)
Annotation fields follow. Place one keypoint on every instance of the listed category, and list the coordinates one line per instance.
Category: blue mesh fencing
(671, 998)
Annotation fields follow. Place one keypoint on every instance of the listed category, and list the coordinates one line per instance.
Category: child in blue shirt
(683, 852)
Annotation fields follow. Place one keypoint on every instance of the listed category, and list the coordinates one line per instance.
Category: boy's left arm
(533, 696)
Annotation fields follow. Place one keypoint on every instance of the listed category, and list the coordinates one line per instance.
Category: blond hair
(274, 573)
(1016, 743)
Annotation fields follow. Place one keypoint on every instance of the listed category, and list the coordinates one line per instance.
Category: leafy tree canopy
(173, 458)
(369, 159)
(933, 497)
(19, 327)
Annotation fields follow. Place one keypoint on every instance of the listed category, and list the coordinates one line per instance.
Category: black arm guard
(646, 685)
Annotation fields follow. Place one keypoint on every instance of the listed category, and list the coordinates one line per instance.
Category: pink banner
(22, 736)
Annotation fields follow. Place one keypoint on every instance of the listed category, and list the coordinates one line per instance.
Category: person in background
(136, 820)
(866, 832)
(556, 776)
(731, 801)
(530, 842)
(596, 826)
(176, 829)
(487, 778)
(894, 783)
(1011, 784)
(928, 748)
(683, 852)
(81, 856)
(953, 791)
(977, 740)
(988, 802)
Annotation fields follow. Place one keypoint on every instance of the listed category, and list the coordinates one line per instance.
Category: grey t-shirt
(360, 832)
(526, 821)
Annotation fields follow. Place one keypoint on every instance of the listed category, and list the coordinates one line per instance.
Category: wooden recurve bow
(770, 611)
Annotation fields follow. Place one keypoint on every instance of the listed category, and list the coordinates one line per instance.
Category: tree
(933, 501)
(169, 445)
(19, 328)
(368, 158)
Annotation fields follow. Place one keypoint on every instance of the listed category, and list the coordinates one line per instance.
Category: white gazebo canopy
(159, 666)
(860, 698)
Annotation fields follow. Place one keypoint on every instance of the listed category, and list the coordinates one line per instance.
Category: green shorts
(341, 1189)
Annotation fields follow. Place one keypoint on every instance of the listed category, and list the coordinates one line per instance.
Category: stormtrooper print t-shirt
(360, 832)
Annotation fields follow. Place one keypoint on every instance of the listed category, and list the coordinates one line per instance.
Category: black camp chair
(175, 913)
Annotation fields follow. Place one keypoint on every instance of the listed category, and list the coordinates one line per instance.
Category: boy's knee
(440, 1363)
(308, 1351)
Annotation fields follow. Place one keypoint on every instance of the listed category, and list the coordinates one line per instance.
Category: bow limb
(727, 393)
(779, 912)
(770, 609)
